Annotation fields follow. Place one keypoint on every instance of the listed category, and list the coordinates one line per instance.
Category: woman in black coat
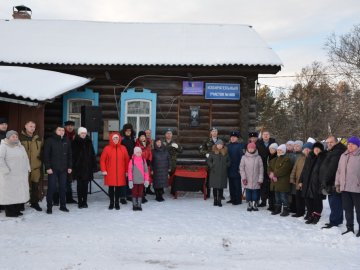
(161, 165)
(311, 185)
(84, 164)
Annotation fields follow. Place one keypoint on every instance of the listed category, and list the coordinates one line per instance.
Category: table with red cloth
(189, 178)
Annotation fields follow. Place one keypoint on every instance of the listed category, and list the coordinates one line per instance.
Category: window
(139, 109)
(138, 113)
(74, 113)
(72, 103)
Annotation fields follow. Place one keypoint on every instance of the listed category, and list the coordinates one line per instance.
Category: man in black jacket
(262, 146)
(3, 128)
(58, 163)
(327, 176)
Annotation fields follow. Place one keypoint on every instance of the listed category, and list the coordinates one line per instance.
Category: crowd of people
(294, 177)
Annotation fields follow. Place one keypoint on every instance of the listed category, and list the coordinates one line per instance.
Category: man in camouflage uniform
(34, 148)
(205, 150)
(173, 148)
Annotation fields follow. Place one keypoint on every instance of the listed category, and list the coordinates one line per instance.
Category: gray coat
(252, 169)
(14, 173)
(348, 172)
(218, 163)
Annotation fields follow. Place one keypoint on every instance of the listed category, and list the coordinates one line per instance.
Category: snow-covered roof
(113, 43)
(37, 84)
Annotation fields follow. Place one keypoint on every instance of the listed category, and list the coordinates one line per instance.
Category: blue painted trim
(88, 94)
(146, 94)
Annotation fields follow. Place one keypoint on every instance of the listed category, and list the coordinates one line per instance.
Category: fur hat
(318, 145)
(10, 133)
(127, 126)
(141, 133)
(81, 130)
(3, 120)
(253, 134)
(282, 147)
(235, 134)
(69, 123)
(290, 142)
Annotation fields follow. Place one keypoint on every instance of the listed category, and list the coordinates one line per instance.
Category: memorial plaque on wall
(194, 116)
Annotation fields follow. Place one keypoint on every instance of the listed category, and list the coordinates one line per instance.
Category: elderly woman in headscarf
(14, 172)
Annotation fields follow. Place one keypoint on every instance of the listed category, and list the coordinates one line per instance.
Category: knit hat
(318, 145)
(137, 150)
(127, 126)
(213, 128)
(251, 146)
(274, 146)
(141, 133)
(290, 142)
(300, 143)
(157, 139)
(3, 120)
(10, 133)
(82, 130)
(168, 130)
(354, 140)
(219, 141)
(282, 147)
(308, 145)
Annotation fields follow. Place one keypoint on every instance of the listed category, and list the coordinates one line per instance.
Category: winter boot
(10, 211)
(255, 206)
(328, 226)
(310, 219)
(135, 202)
(215, 201)
(358, 234)
(111, 206)
(316, 218)
(36, 206)
(149, 191)
(157, 195)
(285, 212)
(117, 205)
(49, 211)
(277, 209)
(349, 228)
(262, 204)
(308, 215)
(139, 208)
(249, 208)
(123, 201)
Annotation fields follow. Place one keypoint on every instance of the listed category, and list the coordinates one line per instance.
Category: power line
(295, 76)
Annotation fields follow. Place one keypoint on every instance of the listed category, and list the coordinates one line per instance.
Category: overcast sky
(296, 30)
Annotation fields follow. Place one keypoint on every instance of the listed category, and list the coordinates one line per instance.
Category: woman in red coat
(114, 162)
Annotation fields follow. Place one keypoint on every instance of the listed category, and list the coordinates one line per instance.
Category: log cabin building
(187, 77)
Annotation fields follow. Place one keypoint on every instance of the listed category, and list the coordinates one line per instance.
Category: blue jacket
(236, 151)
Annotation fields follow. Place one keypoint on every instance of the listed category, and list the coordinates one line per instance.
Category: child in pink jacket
(138, 175)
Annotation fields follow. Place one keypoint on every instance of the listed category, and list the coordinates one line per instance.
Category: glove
(207, 155)
(104, 173)
(175, 145)
(245, 182)
(131, 184)
(338, 189)
(146, 184)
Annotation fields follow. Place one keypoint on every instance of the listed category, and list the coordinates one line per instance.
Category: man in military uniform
(173, 148)
(206, 148)
(34, 147)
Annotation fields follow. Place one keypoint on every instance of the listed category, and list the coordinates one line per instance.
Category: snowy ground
(187, 233)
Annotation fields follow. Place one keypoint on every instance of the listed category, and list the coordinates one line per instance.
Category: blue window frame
(139, 109)
(71, 108)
